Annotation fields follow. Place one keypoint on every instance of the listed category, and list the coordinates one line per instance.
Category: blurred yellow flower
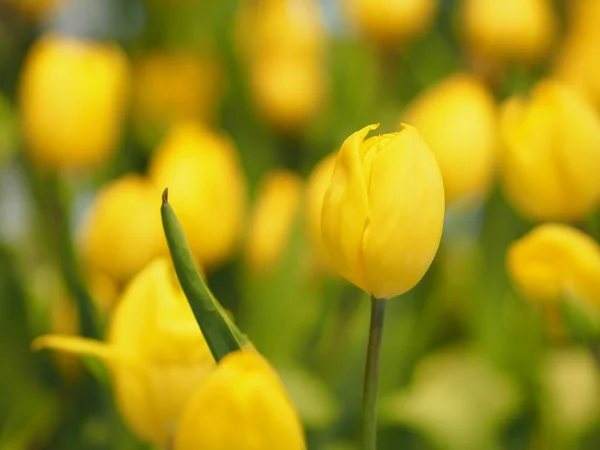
(457, 119)
(123, 230)
(273, 218)
(174, 86)
(383, 212)
(550, 157)
(316, 187)
(390, 22)
(155, 351)
(555, 261)
(73, 95)
(206, 188)
(519, 31)
(242, 405)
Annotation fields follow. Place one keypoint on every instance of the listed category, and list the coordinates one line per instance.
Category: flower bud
(389, 22)
(316, 187)
(123, 232)
(383, 212)
(241, 405)
(519, 31)
(457, 119)
(555, 261)
(206, 188)
(72, 101)
(155, 350)
(550, 157)
(273, 219)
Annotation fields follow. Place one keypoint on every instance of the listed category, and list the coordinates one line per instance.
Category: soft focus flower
(174, 86)
(316, 187)
(554, 261)
(242, 405)
(273, 218)
(155, 350)
(389, 22)
(519, 31)
(550, 159)
(206, 188)
(123, 231)
(383, 212)
(577, 63)
(457, 119)
(72, 99)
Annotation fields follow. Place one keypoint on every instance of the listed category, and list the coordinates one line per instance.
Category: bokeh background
(233, 105)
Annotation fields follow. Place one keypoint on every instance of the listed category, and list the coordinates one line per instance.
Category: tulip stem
(371, 381)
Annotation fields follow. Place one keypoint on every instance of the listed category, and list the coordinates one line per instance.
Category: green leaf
(221, 334)
(580, 318)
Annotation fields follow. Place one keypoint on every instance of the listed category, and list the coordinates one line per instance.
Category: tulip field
(299, 225)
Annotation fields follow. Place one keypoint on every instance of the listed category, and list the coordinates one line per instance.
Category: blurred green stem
(371, 382)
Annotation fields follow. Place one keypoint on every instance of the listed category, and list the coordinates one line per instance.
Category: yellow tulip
(555, 261)
(519, 31)
(72, 100)
(550, 158)
(206, 188)
(155, 351)
(242, 405)
(272, 219)
(389, 22)
(170, 87)
(123, 231)
(383, 212)
(316, 187)
(457, 119)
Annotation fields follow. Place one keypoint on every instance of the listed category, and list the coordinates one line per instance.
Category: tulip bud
(389, 22)
(550, 158)
(508, 30)
(155, 350)
(555, 261)
(316, 187)
(171, 87)
(206, 188)
(241, 405)
(123, 232)
(273, 218)
(383, 212)
(457, 119)
(72, 100)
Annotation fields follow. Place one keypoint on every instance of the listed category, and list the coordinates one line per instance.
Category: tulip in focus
(520, 31)
(155, 351)
(457, 119)
(550, 158)
(383, 212)
(273, 218)
(206, 189)
(316, 187)
(242, 405)
(123, 231)
(392, 22)
(73, 95)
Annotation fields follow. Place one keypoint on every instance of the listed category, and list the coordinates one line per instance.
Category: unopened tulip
(155, 351)
(457, 119)
(273, 219)
(316, 187)
(383, 212)
(550, 157)
(389, 22)
(520, 31)
(73, 95)
(123, 232)
(242, 405)
(555, 261)
(206, 188)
